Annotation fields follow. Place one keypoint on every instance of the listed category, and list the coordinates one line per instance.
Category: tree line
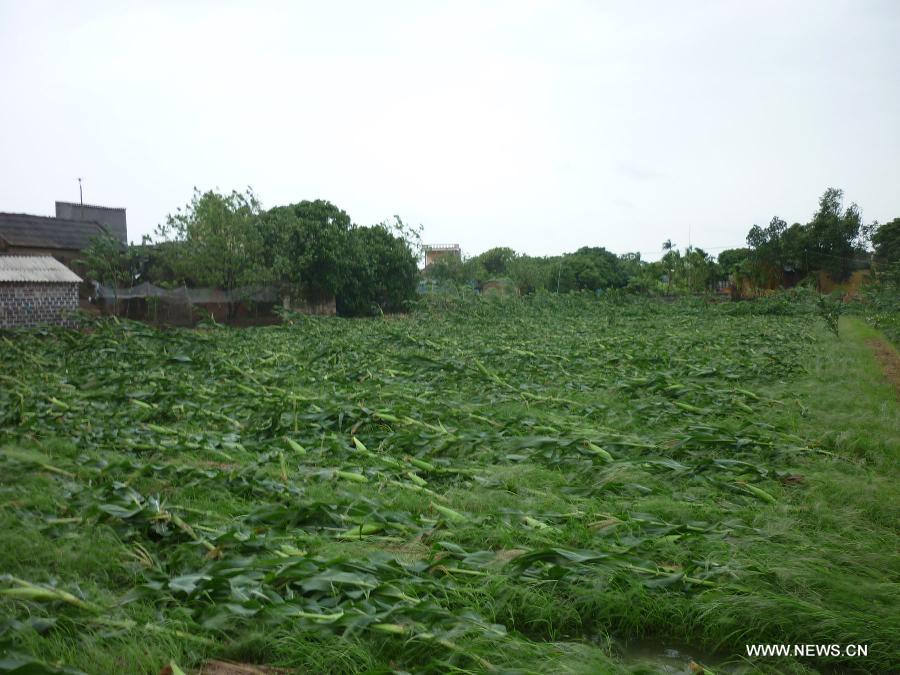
(311, 251)
(835, 241)
(590, 268)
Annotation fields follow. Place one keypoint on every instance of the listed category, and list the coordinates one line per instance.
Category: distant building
(435, 252)
(36, 290)
(63, 237)
(113, 219)
(24, 234)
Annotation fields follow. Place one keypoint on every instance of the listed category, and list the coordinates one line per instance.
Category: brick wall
(32, 304)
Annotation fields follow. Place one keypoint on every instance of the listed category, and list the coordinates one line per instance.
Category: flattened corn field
(553, 486)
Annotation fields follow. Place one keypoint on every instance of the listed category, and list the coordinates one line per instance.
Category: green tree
(671, 260)
(631, 265)
(699, 270)
(886, 241)
(531, 274)
(732, 259)
(590, 268)
(648, 278)
(106, 261)
(382, 270)
(446, 270)
(734, 266)
(767, 257)
(496, 261)
(306, 247)
(216, 241)
(833, 235)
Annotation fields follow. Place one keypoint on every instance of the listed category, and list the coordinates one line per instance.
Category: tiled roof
(35, 269)
(23, 229)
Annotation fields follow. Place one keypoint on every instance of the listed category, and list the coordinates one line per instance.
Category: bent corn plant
(484, 487)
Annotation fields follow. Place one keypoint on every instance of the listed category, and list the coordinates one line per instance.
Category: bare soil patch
(889, 360)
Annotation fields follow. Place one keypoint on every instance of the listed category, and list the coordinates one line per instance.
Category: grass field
(563, 485)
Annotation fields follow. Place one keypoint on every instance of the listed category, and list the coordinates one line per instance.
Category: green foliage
(692, 271)
(306, 246)
(590, 268)
(829, 242)
(316, 251)
(216, 241)
(520, 486)
(448, 270)
(531, 274)
(108, 262)
(699, 270)
(881, 300)
(797, 301)
(767, 253)
(497, 261)
(611, 469)
(733, 259)
(383, 271)
(833, 235)
(886, 240)
(311, 250)
(830, 309)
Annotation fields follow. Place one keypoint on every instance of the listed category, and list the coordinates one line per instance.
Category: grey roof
(23, 229)
(92, 206)
(35, 269)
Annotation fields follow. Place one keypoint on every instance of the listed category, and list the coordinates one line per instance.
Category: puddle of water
(669, 658)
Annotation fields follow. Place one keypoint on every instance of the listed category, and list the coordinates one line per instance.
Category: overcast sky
(544, 126)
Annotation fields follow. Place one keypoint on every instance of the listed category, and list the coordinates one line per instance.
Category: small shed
(36, 290)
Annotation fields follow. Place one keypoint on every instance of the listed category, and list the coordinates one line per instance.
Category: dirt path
(889, 360)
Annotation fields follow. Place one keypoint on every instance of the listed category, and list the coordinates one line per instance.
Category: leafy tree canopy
(886, 241)
(383, 273)
(107, 261)
(590, 268)
(834, 235)
(219, 240)
(829, 242)
(496, 261)
(306, 246)
(732, 258)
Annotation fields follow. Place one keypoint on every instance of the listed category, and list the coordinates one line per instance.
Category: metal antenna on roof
(80, 193)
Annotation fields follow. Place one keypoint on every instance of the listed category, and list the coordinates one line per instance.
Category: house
(435, 252)
(36, 290)
(113, 219)
(63, 237)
